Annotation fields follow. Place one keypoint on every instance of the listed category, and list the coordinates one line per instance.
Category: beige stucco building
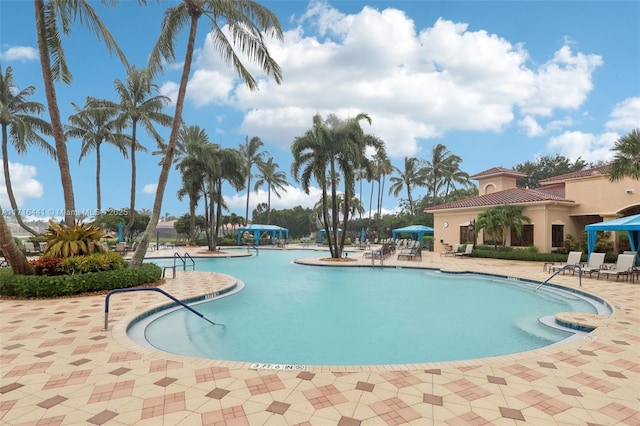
(562, 206)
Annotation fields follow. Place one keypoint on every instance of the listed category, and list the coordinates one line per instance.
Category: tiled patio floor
(58, 367)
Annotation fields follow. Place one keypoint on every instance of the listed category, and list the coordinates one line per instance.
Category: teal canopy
(417, 230)
(260, 230)
(631, 224)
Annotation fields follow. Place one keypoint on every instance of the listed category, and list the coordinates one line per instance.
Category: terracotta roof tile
(494, 171)
(556, 189)
(600, 170)
(508, 196)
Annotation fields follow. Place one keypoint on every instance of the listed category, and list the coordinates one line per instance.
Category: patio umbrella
(363, 235)
(120, 232)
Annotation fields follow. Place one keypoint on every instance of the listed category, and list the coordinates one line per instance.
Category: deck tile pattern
(58, 367)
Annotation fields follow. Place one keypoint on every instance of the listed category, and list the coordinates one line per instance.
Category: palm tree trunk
(269, 203)
(138, 256)
(98, 195)
(132, 196)
(17, 260)
(371, 199)
(7, 181)
(54, 113)
(246, 218)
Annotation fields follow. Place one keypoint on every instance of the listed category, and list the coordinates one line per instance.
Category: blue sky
(498, 83)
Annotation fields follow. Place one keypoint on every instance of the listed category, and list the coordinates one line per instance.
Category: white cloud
(625, 115)
(150, 188)
(19, 53)
(292, 198)
(23, 182)
(415, 83)
(589, 147)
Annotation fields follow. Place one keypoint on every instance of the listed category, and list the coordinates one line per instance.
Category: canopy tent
(631, 224)
(417, 230)
(259, 230)
(322, 232)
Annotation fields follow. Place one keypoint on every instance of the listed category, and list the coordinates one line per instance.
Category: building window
(466, 235)
(525, 239)
(557, 235)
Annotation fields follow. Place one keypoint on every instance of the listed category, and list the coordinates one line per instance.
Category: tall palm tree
(435, 167)
(95, 126)
(251, 155)
(383, 168)
(12, 253)
(626, 160)
(20, 127)
(53, 18)
(138, 105)
(452, 175)
(412, 176)
(192, 142)
(227, 168)
(334, 148)
(275, 179)
(248, 22)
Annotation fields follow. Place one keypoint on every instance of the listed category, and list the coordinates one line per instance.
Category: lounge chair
(596, 262)
(624, 267)
(411, 252)
(454, 250)
(30, 249)
(573, 259)
(121, 248)
(467, 251)
(43, 246)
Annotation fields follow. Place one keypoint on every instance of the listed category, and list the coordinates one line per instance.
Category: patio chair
(30, 249)
(43, 246)
(596, 262)
(453, 251)
(411, 253)
(624, 267)
(467, 251)
(573, 259)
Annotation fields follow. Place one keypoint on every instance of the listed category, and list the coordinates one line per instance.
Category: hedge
(35, 286)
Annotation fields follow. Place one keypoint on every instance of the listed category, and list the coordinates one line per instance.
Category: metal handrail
(127, 290)
(562, 269)
(176, 255)
(253, 246)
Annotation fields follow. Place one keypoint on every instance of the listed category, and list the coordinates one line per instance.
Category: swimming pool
(296, 314)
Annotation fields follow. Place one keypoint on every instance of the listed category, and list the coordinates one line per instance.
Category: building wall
(596, 195)
(491, 184)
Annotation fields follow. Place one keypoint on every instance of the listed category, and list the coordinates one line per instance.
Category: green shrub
(96, 262)
(34, 286)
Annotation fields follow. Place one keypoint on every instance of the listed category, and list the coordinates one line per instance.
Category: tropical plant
(452, 175)
(382, 167)
(248, 23)
(626, 160)
(53, 18)
(20, 127)
(138, 105)
(333, 150)
(275, 179)
(496, 222)
(251, 155)
(412, 176)
(95, 126)
(545, 167)
(78, 239)
(434, 171)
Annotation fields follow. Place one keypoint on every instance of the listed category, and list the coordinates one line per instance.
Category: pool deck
(58, 367)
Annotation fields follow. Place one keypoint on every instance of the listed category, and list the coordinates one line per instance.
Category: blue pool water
(295, 314)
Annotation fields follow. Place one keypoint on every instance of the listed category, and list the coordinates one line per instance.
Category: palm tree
(439, 157)
(12, 253)
(275, 179)
(21, 127)
(138, 105)
(96, 126)
(626, 161)
(192, 141)
(246, 21)
(383, 167)
(227, 168)
(496, 222)
(53, 18)
(408, 179)
(452, 175)
(251, 156)
(334, 148)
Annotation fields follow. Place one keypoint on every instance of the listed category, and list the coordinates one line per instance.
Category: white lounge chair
(467, 251)
(573, 259)
(596, 262)
(624, 267)
(454, 250)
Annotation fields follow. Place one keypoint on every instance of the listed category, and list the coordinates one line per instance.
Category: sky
(497, 82)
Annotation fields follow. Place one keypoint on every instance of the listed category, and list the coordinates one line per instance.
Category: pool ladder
(562, 269)
(183, 260)
(253, 246)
